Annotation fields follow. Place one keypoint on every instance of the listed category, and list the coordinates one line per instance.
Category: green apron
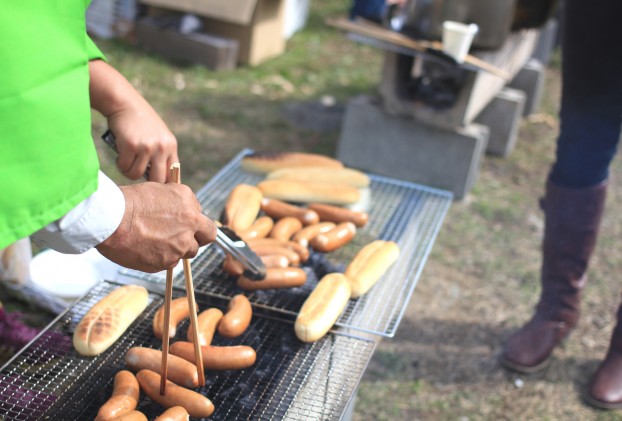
(48, 162)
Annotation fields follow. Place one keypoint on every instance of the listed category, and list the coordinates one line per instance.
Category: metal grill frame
(404, 212)
(290, 378)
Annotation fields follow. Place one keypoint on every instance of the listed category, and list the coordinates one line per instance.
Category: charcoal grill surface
(407, 213)
(290, 380)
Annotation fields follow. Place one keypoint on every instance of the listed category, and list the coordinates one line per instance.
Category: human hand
(162, 224)
(143, 140)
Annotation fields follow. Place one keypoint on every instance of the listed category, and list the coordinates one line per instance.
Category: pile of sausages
(281, 234)
(182, 376)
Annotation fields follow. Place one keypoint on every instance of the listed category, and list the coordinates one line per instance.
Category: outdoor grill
(290, 379)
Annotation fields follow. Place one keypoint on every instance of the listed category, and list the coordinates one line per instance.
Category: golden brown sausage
(176, 413)
(124, 397)
(335, 238)
(179, 311)
(197, 405)
(305, 235)
(303, 252)
(242, 207)
(260, 228)
(237, 318)
(132, 416)
(235, 357)
(289, 277)
(207, 321)
(179, 371)
(338, 214)
(285, 228)
(232, 266)
(279, 209)
(274, 261)
(268, 250)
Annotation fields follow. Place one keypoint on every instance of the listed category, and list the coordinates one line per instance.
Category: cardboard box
(213, 52)
(257, 25)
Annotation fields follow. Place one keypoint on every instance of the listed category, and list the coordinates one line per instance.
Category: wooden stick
(192, 305)
(378, 32)
(168, 297)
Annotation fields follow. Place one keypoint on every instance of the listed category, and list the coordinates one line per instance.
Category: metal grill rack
(290, 380)
(407, 213)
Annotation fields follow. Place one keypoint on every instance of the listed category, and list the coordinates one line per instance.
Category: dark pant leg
(591, 107)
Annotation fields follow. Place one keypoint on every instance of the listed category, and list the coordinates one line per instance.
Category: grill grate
(407, 213)
(290, 380)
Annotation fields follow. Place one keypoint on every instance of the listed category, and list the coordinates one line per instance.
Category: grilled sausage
(176, 413)
(179, 371)
(335, 238)
(260, 228)
(274, 261)
(338, 214)
(179, 311)
(303, 252)
(305, 235)
(124, 399)
(237, 318)
(207, 321)
(132, 416)
(289, 277)
(285, 228)
(197, 405)
(270, 250)
(231, 266)
(279, 209)
(219, 358)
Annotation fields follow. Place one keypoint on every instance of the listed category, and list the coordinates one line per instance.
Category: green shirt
(48, 162)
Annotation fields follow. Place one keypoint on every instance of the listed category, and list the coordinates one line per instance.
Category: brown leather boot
(572, 219)
(605, 389)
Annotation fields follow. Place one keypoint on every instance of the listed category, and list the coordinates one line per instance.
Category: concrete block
(213, 52)
(405, 149)
(546, 42)
(476, 90)
(502, 117)
(530, 80)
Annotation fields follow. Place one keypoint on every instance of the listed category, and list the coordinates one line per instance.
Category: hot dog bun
(263, 163)
(322, 307)
(242, 207)
(370, 263)
(310, 191)
(347, 176)
(106, 321)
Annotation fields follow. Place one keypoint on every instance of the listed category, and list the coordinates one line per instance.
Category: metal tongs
(228, 240)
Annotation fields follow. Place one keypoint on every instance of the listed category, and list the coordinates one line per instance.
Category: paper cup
(457, 39)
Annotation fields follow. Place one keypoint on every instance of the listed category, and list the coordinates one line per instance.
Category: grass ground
(481, 280)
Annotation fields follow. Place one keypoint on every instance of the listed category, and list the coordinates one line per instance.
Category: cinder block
(402, 148)
(502, 117)
(530, 80)
(213, 52)
(546, 42)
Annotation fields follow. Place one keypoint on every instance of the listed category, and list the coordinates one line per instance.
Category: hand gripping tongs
(254, 268)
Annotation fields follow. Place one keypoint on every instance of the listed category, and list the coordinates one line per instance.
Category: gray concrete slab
(530, 80)
(402, 148)
(502, 117)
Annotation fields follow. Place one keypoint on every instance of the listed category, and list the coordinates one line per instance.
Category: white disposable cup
(457, 39)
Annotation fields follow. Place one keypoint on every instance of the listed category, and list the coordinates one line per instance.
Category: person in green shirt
(51, 187)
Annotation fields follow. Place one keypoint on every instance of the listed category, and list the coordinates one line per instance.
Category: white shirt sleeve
(89, 223)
